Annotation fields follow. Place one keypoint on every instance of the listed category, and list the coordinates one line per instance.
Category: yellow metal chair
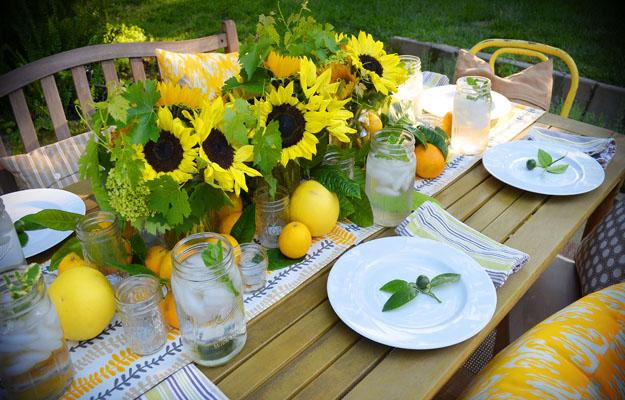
(537, 50)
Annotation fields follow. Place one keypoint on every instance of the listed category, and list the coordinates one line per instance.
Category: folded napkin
(432, 222)
(601, 149)
(432, 79)
(187, 383)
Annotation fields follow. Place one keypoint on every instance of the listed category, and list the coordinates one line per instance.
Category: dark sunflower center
(291, 123)
(164, 155)
(217, 149)
(371, 64)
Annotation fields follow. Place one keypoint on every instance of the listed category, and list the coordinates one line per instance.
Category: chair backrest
(43, 70)
(532, 49)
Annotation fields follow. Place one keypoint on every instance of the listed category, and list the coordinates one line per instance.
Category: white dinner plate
(356, 277)
(439, 101)
(507, 162)
(30, 201)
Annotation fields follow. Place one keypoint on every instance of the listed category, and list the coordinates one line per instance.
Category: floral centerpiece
(165, 156)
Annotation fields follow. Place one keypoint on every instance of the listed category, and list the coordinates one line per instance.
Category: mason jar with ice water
(471, 115)
(207, 290)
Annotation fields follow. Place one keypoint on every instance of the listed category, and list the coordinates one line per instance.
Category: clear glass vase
(208, 300)
(102, 243)
(272, 214)
(34, 361)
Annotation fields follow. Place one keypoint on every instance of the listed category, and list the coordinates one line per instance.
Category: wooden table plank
(277, 353)
(308, 365)
(514, 216)
(347, 370)
(496, 205)
(462, 185)
(475, 198)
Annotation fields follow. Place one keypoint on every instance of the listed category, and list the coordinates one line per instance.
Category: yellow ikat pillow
(204, 71)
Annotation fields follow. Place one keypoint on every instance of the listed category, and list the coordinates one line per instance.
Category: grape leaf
(253, 54)
(238, 121)
(117, 107)
(89, 166)
(168, 199)
(267, 151)
(138, 247)
(142, 97)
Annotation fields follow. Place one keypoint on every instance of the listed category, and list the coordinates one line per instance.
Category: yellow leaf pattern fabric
(204, 71)
(578, 353)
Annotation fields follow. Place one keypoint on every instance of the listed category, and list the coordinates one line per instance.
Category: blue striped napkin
(432, 222)
(188, 383)
(601, 149)
(431, 79)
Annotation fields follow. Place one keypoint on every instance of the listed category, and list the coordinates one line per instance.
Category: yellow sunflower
(173, 153)
(370, 59)
(173, 94)
(225, 166)
(342, 74)
(282, 66)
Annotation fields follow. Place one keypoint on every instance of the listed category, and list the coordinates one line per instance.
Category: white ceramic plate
(31, 201)
(507, 162)
(355, 280)
(439, 101)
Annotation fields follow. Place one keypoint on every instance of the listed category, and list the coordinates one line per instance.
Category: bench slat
(55, 107)
(232, 39)
(24, 121)
(110, 75)
(83, 91)
(138, 71)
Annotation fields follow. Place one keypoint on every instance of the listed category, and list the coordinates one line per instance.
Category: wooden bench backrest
(43, 70)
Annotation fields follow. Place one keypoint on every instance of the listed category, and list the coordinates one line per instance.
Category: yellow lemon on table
(235, 246)
(371, 122)
(294, 240)
(72, 260)
(314, 206)
(169, 310)
(430, 161)
(167, 266)
(447, 123)
(85, 302)
(228, 222)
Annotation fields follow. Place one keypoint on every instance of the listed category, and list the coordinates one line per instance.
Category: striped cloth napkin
(601, 149)
(432, 222)
(187, 383)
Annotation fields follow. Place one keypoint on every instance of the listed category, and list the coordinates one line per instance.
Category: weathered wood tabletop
(299, 348)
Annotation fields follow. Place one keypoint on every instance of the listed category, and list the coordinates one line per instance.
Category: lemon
(72, 260)
(228, 222)
(154, 258)
(85, 302)
(235, 247)
(167, 266)
(294, 240)
(314, 206)
(371, 122)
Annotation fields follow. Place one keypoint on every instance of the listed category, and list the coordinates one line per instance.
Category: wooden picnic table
(298, 348)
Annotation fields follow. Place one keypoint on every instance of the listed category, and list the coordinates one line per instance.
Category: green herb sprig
(22, 282)
(213, 256)
(546, 161)
(404, 291)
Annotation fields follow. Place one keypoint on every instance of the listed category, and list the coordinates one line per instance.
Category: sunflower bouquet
(165, 157)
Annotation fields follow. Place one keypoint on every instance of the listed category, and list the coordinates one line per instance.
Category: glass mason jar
(101, 241)
(253, 265)
(389, 183)
(11, 254)
(407, 99)
(471, 121)
(333, 157)
(208, 300)
(272, 214)
(139, 300)
(34, 361)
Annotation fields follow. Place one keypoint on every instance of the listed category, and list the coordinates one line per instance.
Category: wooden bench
(43, 70)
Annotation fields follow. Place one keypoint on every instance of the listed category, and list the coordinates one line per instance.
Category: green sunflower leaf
(238, 121)
(167, 199)
(142, 97)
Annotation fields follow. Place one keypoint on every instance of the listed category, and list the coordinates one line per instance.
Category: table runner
(104, 366)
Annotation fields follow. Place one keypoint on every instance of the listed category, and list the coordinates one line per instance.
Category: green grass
(591, 32)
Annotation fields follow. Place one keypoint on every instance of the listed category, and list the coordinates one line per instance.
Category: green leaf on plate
(444, 278)
(400, 298)
(544, 158)
(557, 169)
(396, 285)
